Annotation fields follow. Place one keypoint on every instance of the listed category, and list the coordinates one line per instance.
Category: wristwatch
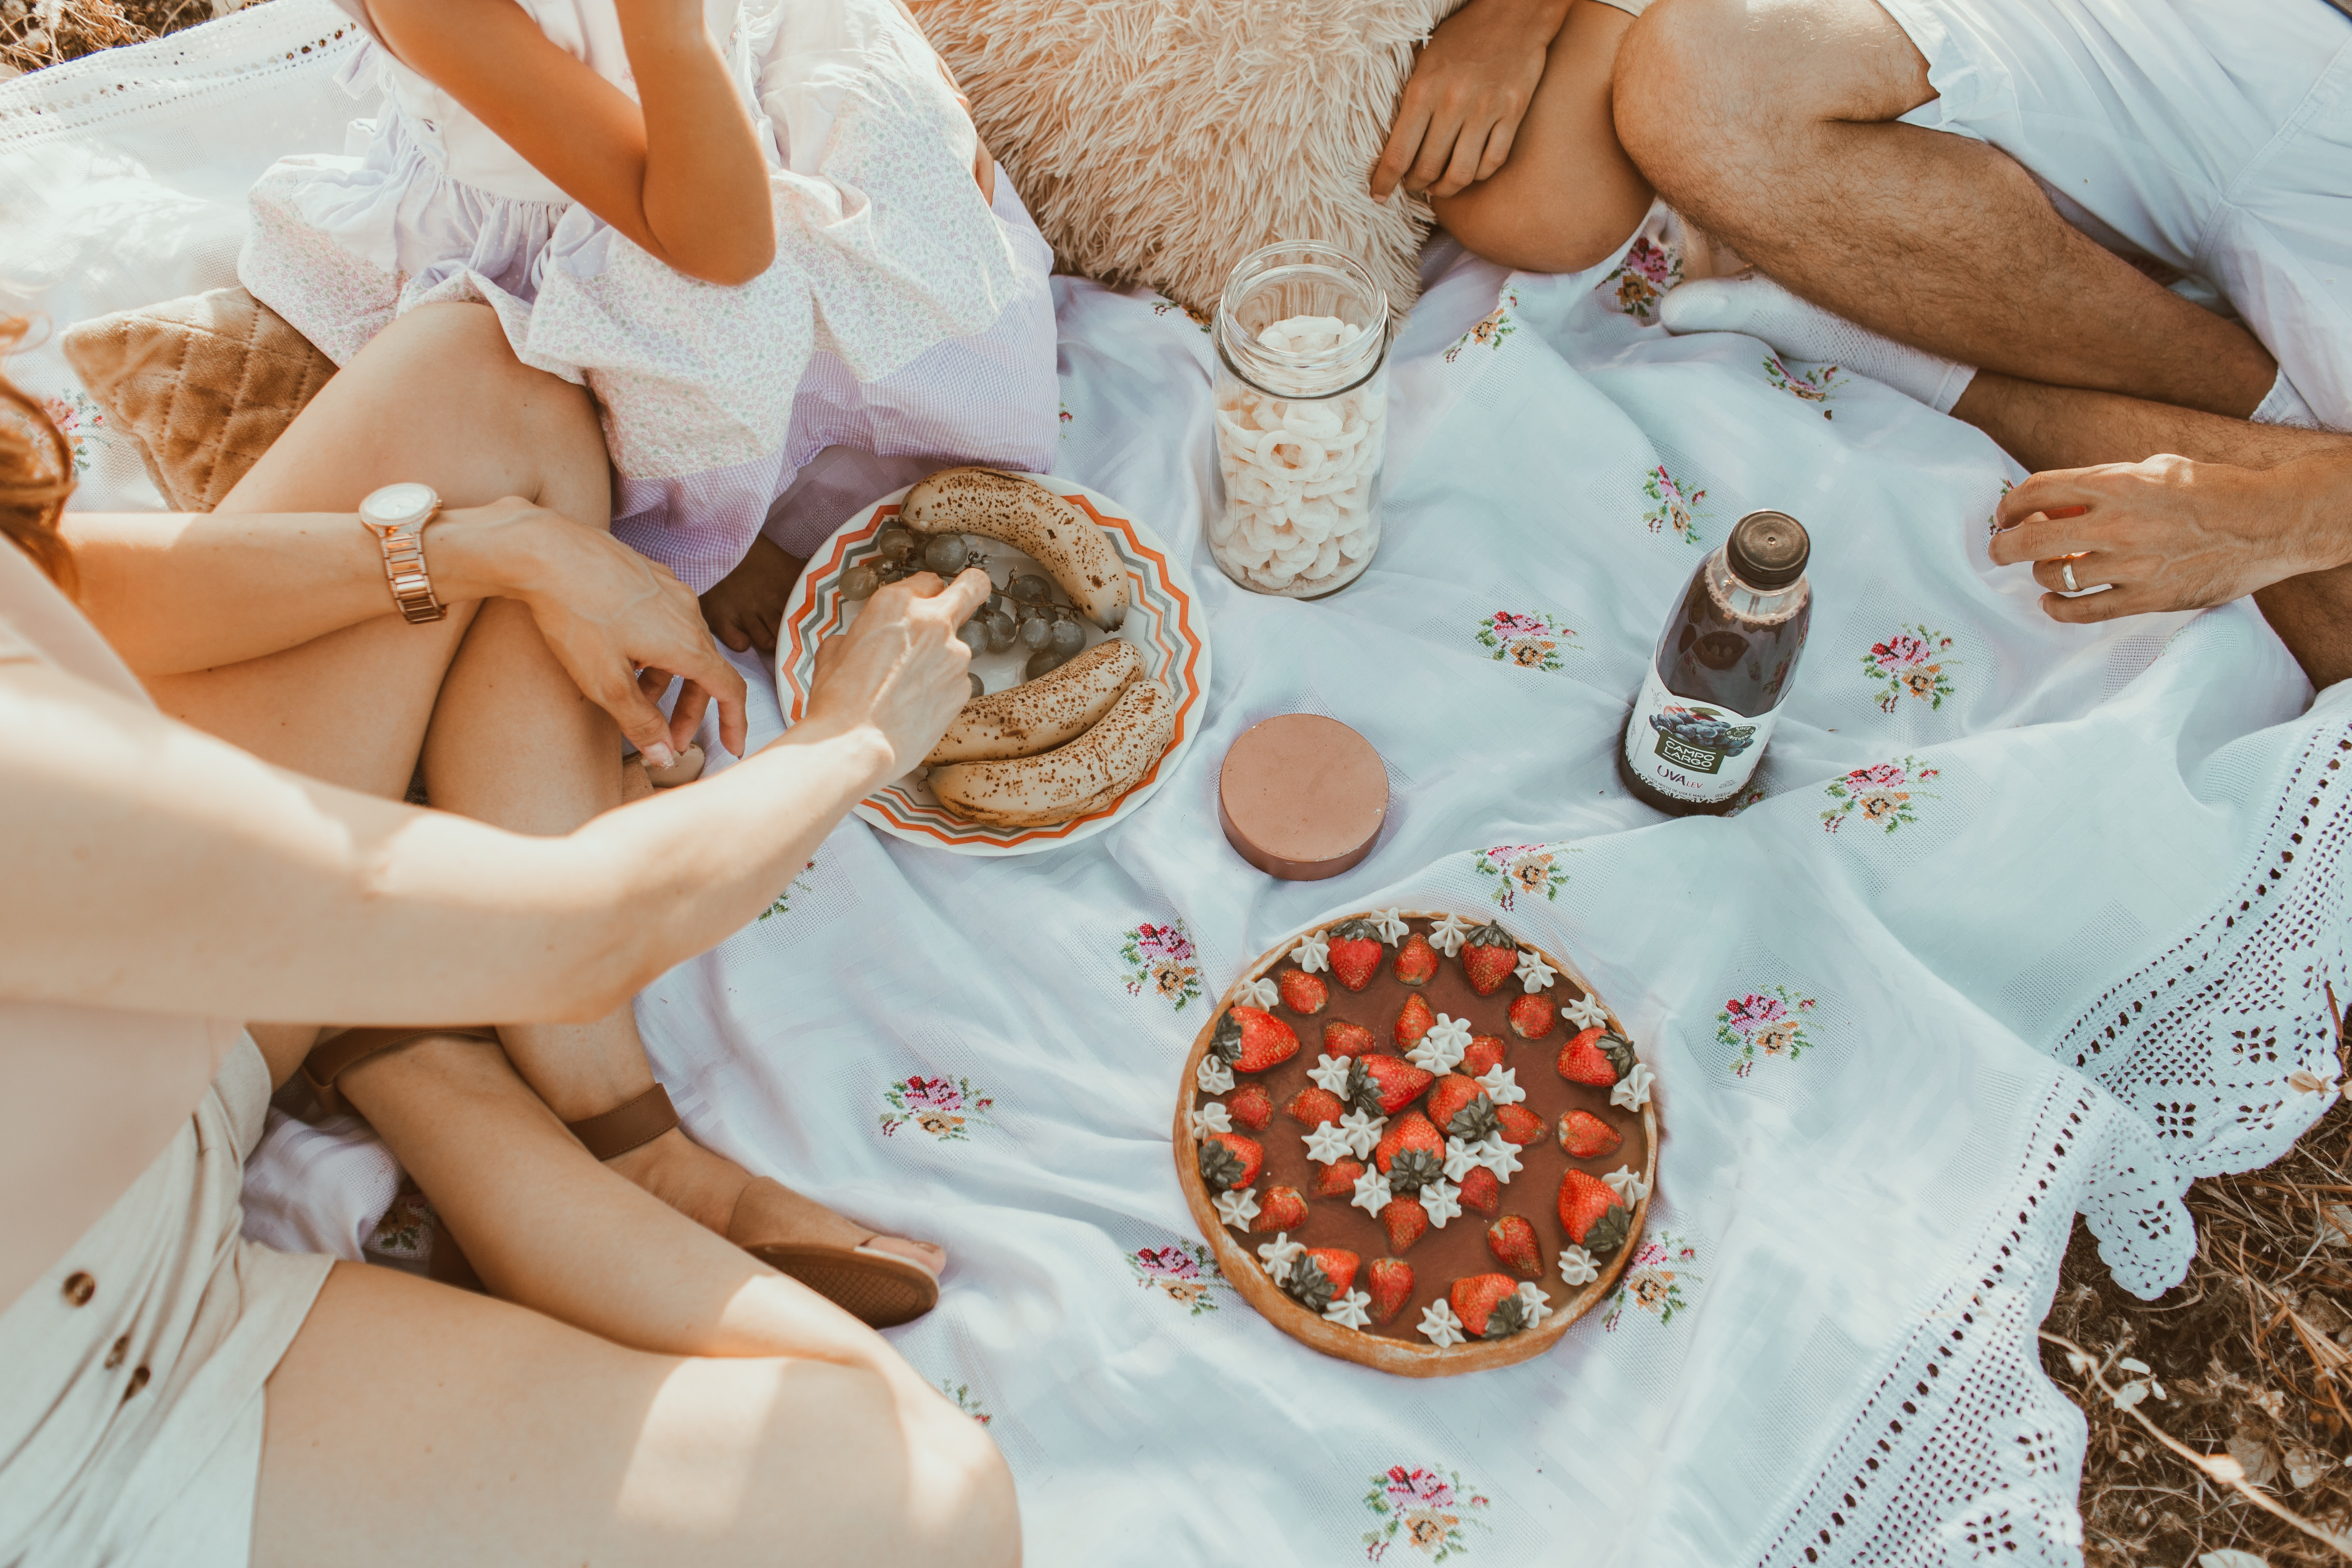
(397, 515)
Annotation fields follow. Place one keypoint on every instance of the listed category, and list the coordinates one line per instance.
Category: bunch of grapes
(1028, 610)
(1703, 728)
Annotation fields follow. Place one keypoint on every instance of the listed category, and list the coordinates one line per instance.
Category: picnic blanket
(2021, 920)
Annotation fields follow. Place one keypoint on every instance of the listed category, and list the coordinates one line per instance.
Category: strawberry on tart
(1417, 1143)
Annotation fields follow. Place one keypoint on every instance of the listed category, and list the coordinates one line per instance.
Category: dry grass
(37, 33)
(2253, 1351)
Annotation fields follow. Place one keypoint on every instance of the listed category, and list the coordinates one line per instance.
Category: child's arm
(683, 175)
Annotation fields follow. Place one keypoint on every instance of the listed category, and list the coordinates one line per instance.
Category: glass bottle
(1723, 666)
(1301, 405)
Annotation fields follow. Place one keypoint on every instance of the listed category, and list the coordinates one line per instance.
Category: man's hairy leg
(1769, 123)
(2287, 471)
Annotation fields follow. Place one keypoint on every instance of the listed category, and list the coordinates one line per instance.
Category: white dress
(901, 315)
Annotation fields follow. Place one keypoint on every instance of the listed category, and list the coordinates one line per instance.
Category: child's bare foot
(721, 1195)
(745, 608)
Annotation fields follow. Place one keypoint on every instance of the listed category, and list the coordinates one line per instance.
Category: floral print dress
(902, 314)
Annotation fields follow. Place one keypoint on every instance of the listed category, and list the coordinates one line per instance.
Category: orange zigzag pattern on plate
(1178, 645)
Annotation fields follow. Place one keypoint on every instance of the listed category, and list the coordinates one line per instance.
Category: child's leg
(1569, 195)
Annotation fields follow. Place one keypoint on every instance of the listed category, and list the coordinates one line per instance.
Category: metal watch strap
(403, 568)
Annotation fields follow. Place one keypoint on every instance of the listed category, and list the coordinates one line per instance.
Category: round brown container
(1302, 797)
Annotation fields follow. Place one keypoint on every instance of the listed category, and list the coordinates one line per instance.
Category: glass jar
(1302, 411)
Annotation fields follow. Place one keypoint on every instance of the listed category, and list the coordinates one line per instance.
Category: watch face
(397, 504)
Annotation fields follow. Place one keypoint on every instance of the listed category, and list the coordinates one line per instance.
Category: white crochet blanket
(2045, 913)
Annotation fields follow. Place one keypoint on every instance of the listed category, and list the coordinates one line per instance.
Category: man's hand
(621, 625)
(2172, 534)
(1470, 87)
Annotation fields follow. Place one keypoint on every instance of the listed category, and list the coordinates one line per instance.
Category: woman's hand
(608, 614)
(2172, 534)
(899, 671)
(1470, 88)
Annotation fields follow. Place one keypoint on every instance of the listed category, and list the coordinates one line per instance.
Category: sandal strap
(626, 1126)
(339, 1054)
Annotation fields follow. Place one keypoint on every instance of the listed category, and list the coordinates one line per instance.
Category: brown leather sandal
(880, 1288)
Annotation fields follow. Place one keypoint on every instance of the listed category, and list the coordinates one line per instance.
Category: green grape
(1068, 637)
(895, 543)
(1037, 632)
(859, 583)
(1044, 662)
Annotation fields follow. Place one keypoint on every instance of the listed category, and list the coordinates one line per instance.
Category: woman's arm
(152, 868)
(196, 590)
(681, 170)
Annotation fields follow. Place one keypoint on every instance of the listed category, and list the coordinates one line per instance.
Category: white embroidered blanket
(2027, 920)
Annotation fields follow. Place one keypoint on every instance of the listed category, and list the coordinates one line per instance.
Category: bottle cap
(1768, 550)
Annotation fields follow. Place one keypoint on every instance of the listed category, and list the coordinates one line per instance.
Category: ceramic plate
(1162, 622)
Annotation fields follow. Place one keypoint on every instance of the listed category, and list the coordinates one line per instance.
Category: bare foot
(721, 1195)
(745, 608)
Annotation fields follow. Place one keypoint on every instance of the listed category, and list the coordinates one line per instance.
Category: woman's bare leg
(438, 396)
(602, 1448)
(411, 1423)
(1569, 195)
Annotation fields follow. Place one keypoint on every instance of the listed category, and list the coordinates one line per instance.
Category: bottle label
(1691, 750)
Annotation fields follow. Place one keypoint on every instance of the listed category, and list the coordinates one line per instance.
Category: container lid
(1768, 550)
(1302, 797)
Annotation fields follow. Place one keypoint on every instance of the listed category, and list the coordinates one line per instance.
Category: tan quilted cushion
(203, 384)
(1159, 141)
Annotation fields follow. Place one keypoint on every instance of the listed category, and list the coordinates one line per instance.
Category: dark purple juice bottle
(1723, 666)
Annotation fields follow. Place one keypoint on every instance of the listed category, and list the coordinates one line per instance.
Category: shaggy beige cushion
(1159, 141)
(203, 384)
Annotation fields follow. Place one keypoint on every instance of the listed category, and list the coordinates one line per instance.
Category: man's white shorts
(2213, 135)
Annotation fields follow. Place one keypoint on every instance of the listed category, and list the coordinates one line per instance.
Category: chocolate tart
(1458, 1248)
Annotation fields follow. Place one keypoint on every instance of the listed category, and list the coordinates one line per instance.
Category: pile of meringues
(1071, 741)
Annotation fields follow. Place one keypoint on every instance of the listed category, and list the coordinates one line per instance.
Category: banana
(1090, 772)
(1033, 521)
(1038, 715)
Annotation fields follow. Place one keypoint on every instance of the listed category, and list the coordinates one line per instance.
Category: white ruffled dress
(902, 314)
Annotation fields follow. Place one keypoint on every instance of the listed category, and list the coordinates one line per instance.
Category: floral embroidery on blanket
(1808, 385)
(1426, 1507)
(1185, 1273)
(1882, 792)
(1649, 269)
(783, 904)
(1165, 305)
(944, 1108)
(81, 423)
(1529, 641)
(1772, 1024)
(1065, 421)
(1655, 1279)
(1491, 332)
(1522, 868)
(1161, 960)
(1911, 662)
(961, 1394)
(407, 1228)
(1673, 507)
